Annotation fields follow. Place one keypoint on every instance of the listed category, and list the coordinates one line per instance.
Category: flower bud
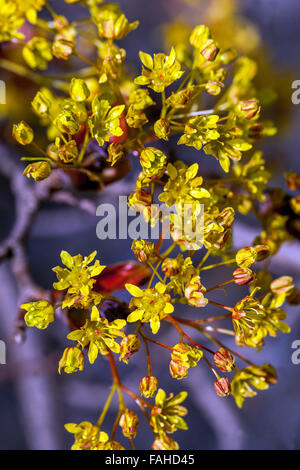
(41, 104)
(262, 251)
(249, 109)
(170, 267)
(72, 360)
(165, 442)
(129, 346)
(178, 370)
(227, 56)
(39, 314)
(199, 36)
(79, 90)
(282, 285)
(243, 276)
(37, 53)
(210, 50)
(292, 180)
(295, 204)
(194, 293)
(213, 87)
(144, 250)
(222, 387)
(62, 48)
(226, 217)
(162, 129)
(68, 152)
(224, 360)
(139, 199)
(152, 161)
(148, 386)
(256, 131)
(38, 171)
(294, 297)
(66, 123)
(129, 422)
(183, 357)
(60, 22)
(246, 257)
(23, 133)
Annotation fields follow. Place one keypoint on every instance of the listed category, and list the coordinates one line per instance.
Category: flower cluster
(93, 122)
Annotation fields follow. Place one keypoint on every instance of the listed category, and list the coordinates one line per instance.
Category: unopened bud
(72, 360)
(243, 276)
(170, 267)
(224, 360)
(249, 109)
(139, 199)
(282, 285)
(178, 370)
(162, 129)
(144, 250)
(222, 387)
(263, 252)
(66, 123)
(129, 422)
(210, 50)
(256, 131)
(62, 48)
(148, 386)
(79, 90)
(23, 133)
(246, 257)
(129, 346)
(165, 442)
(41, 104)
(38, 171)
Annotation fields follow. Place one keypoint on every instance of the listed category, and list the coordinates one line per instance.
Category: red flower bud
(222, 387)
(224, 360)
(243, 276)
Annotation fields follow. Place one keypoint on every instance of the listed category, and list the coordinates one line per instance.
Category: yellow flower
(39, 314)
(99, 334)
(199, 131)
(10, 21)
(77, 278)
(163, 71)
(72, 360)
(87, 436)
(37, 53)
(149, 305)
(111, 22)
(105, 120)
(153, 162)
(183, 186)
(259, 377)
(166, 416)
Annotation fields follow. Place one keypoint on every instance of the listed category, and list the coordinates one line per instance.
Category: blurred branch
(28, 198)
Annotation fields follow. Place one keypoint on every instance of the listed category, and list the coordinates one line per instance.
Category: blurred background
(35, 401)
